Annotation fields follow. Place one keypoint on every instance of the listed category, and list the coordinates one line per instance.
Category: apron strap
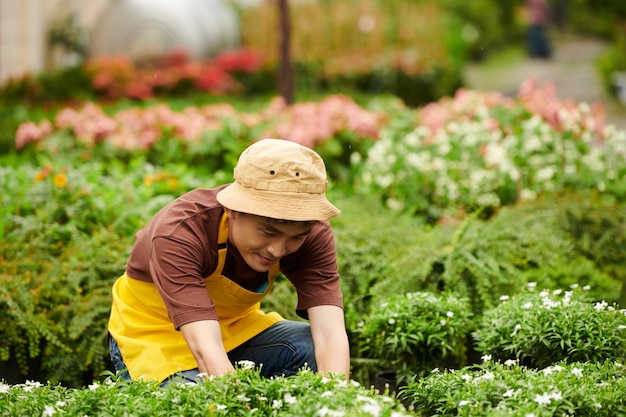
(222, 244)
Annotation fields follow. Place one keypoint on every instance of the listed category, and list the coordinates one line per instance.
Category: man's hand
(204, 338)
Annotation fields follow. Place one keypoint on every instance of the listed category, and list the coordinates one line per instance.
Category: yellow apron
(153, 349)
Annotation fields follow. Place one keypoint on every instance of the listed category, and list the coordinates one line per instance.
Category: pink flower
(32, 132)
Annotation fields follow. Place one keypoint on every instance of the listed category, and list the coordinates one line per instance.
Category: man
(188, 302)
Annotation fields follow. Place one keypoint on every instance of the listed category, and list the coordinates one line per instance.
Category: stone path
(572, 69)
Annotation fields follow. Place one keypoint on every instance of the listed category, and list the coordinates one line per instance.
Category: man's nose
(277, 248)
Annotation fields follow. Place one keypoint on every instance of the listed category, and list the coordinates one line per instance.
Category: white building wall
(23, 32)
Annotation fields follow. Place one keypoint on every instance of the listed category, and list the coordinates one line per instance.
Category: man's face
(263, 241)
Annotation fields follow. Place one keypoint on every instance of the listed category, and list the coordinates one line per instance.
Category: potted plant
(413, 333)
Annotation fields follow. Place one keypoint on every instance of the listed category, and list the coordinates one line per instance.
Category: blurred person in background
(538, 14)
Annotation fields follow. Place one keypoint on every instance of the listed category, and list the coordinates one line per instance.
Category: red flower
(214, 79)
(138, 90)
(245, 60)
(176, 58)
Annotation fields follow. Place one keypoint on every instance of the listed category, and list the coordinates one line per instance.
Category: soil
(572, 68)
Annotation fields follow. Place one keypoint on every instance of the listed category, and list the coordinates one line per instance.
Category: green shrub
(416, 332)
(543, 328)
(496, 389)
(66, 233)
(242, 393)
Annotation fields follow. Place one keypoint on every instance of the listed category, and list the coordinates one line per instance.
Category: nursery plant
(415, 332)
(482, 150)
(242, 393)
(541, 328)
(507, 388)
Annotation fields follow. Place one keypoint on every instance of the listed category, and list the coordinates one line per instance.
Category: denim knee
(116, 358)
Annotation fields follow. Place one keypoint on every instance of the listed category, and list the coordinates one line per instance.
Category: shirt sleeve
(178, 274)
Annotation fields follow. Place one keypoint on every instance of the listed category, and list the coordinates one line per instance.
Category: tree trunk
(285, 75)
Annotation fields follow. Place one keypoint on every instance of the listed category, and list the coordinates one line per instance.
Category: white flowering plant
(481, 151)
(414, 332)
(506, 389)
(540, 328)
(242, 393)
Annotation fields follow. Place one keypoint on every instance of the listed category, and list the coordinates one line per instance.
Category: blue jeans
(282, 349)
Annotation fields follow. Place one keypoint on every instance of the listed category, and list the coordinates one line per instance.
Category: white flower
(511, 362)
(464, 402)
(577, 372)
(488, 376)
(325, 411)
(516, 329)
(4, 388)
(509, 393)
(543, 399)
(486, 358)
(93, 387)
(450, 314)
(277, 404)
(48, 411)
(550, 369)
(504, 298)
(556, 395)
(243, 398)
(290, 399)
(531, 285)
(371, 409)
(545, 174)
(600, 306)
(528, 195)
(245, 364)
(34, 383)
(391, 321)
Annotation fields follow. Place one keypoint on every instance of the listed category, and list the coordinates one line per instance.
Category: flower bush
(416, 332)
(539, 329)
(242, 393)
(484, 150)
(117, 76)
(336, 127)
(509, 389)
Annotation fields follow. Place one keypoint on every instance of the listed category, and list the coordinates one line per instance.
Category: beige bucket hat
(279, 179)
